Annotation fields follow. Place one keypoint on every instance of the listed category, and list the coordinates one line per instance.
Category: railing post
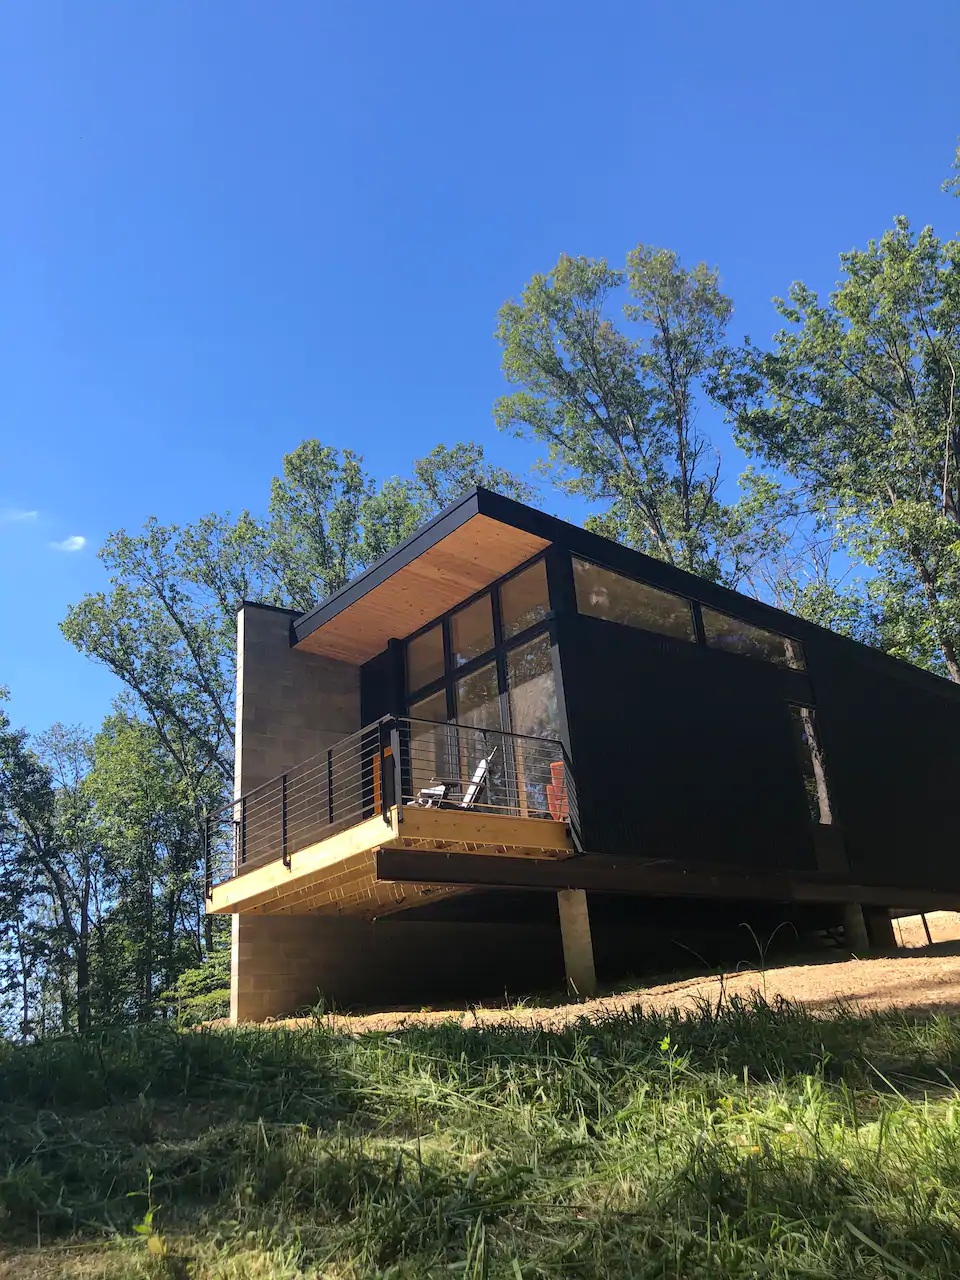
(283, 822)
(573, 804)
(243, 830)
(388, 781)
(397, 770)
(330, 785)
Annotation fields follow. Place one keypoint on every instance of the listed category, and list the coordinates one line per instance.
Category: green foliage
(201, 994)
(101, 887)
(618, 413)
(52, 868)
(859, 401)
(952, 185)
(167, 625)
(756, 1140)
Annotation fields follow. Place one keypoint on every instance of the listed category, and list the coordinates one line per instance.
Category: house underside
(513, 750)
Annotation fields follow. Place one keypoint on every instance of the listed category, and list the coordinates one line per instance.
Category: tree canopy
(167, 625)
(617, 407)
(858, 401)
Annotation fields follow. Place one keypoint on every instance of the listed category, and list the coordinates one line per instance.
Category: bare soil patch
(918, 976)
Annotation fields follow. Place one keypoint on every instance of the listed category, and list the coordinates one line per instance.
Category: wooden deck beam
(599, 874)
(339, 875)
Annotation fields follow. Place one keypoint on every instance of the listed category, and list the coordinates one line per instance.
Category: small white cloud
(13, 514)
(73, 543)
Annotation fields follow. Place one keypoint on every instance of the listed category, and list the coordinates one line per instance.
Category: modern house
(512, 748)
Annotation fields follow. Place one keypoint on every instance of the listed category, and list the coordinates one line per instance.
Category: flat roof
(463, 550)
(484, 535)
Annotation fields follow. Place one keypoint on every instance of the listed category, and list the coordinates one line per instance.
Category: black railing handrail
(361, 733)
(344, 785)
(358, 734)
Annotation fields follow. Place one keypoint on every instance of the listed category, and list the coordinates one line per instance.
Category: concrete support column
(290, 706)
(577, 942)
(868, 928)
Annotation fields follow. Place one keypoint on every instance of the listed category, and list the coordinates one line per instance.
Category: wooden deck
(340, 875)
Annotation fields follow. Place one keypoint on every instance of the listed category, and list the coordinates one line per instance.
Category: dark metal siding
(682, 753)
(378, 688)
(893, 754)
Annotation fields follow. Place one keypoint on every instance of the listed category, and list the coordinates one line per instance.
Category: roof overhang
(468, 546)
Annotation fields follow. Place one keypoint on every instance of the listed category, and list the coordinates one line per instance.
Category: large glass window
(467, 638)
(432, 708)
(539, 782)
(603, 594)
(429, 743)
(524, 600)
(804, 721)
(736, 636)
(478, 699)
(471, 631)
(478, 709)
(533, 692)
(425, 658)
(491, 677)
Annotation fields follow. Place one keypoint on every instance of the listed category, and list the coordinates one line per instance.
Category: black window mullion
(698, 622)
(450, 675)
(560, 585)
(500, 658)
(501, 646)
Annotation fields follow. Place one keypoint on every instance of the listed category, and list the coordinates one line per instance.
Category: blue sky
(230, 226)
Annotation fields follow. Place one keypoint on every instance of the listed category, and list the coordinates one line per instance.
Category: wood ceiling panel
(467, 560)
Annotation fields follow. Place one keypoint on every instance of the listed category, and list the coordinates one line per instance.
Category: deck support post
(577, 943)
(868, 928)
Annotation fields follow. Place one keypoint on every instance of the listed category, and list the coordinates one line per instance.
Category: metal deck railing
(396, 761)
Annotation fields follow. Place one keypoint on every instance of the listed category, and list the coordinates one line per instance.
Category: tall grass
(751, 1141)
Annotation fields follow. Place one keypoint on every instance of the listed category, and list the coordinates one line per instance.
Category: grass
(753, 1141)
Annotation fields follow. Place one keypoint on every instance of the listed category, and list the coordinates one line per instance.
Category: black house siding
(892, 752)
(682, 753)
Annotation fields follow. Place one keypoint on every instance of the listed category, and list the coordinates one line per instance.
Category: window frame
(562, 598)
(699, 638)
(754, 626)
(452, 673)
(795, 709)
(692, 605)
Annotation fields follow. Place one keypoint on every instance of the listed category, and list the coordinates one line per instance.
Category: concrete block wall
(290, 706)
(286, 963)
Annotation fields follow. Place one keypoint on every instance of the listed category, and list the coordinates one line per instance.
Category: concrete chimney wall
(290, 704)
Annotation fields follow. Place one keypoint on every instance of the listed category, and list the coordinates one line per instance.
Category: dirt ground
(919, 976)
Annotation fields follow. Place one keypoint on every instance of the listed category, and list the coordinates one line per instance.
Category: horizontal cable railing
(413, 762)
(456, 766)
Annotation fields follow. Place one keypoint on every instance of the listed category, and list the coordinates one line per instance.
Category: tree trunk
(947, 645)
(83, 987)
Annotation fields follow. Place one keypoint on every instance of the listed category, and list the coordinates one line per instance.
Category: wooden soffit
(468, 559)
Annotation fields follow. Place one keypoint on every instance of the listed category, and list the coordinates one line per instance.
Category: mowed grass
(754, 1141)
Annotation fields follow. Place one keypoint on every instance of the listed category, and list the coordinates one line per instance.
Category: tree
(859, 400)
(151, 827)
(53, 874)
(101, 877)
(167, 625)
(619, 414)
